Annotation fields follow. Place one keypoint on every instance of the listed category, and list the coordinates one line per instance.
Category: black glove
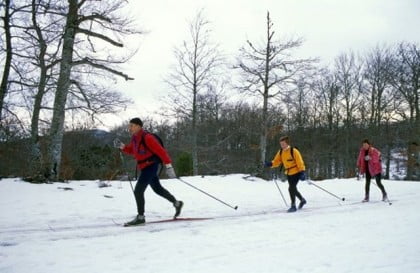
(302, 176)
(268, 164)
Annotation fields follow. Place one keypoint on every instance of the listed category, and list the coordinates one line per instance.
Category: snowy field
(45, 228)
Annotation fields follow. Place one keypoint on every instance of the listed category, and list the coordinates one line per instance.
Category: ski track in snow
(109, 226)
(47, 229)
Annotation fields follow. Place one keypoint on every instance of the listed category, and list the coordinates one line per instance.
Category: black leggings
(378, 182)
(293, 181)
(147, 177)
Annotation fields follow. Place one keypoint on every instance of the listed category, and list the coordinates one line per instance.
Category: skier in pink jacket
(369, 163)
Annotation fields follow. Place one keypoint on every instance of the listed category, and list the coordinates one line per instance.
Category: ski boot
(138, 220)
(302, 203)
(178, 207)
(366, 199)
(292, 209)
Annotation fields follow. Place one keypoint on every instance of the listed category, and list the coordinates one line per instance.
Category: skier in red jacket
(369, 163)
(149, 153)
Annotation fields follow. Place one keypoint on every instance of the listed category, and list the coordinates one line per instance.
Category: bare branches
(87, 61)
(268, 71)
(198, 62)
(99, 36)
(197, 65)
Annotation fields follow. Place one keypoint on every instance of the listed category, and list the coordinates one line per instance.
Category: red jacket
(374, 164)
(142, 154)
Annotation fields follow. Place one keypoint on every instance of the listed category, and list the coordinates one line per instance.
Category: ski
(371, 202)
(181, 219)
(169, 220)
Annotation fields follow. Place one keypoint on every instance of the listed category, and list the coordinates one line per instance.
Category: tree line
(326, 110)
(59, 59)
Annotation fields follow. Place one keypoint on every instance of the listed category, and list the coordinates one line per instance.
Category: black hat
(137, 121)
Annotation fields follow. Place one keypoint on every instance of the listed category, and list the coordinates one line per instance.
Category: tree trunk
(63, 84)
(264, 129)
(8, 60)
(37, 161)
(264, 116)
(194, 145)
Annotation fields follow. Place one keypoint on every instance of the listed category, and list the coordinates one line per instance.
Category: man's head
(284, 142)
(135, 125)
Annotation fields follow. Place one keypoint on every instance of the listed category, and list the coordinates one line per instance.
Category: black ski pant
(293, 191)
(150, 177)
(378, 182)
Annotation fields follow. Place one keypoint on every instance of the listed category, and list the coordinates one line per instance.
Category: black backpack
(153, 157)
(153, 134)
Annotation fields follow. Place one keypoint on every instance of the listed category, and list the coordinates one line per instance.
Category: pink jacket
(374, 164)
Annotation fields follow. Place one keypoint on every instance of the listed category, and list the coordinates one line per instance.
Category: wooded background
(62, 60)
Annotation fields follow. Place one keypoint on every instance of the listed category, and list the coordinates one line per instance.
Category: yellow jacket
(291, 166)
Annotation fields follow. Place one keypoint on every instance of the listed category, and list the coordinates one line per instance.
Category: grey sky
(329, 28)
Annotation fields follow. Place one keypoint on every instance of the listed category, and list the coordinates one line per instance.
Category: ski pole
(319, 187)
(117, 144)
(129, 180)
(129, 177)
(185, 182)
(282, 196)
(281, 193)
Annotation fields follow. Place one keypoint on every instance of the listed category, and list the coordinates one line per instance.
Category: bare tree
(269, 70)
(9, 52)
(348, 73)
(377, 82)
(406, 80)
(89, 24)
(43, 40)
(329, 118)
(381, 98)
(198, 67)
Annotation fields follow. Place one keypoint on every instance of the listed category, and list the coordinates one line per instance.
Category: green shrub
(183, 164)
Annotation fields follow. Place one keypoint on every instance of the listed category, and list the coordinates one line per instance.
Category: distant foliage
(183, 164)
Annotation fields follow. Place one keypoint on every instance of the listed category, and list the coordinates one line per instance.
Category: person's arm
(128, 148)
(154, 146)
(298, 159)
(157, 149)
(375, 155)
(277, 161)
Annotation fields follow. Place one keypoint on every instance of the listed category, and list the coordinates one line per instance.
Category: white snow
(44, 228)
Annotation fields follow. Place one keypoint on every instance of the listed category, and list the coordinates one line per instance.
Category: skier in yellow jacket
(294, 167)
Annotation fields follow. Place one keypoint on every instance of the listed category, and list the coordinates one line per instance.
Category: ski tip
(236, 207)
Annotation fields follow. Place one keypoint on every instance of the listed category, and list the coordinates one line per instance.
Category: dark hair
(285, 139)
(137, 121)
(366, 141)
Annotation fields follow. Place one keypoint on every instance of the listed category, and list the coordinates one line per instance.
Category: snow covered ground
(45, 228)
